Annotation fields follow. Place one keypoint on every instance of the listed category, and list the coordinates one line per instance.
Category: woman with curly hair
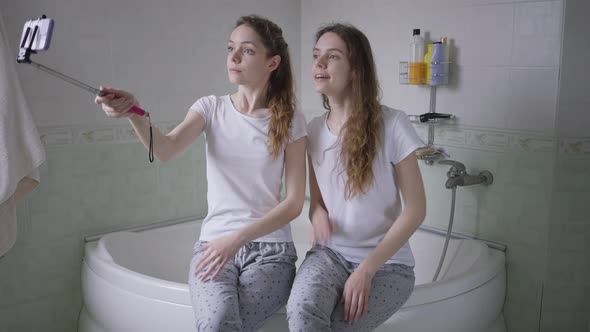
(361, 158)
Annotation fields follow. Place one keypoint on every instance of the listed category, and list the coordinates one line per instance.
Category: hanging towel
(21, 150)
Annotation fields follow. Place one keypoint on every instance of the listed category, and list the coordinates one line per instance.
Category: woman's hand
(116, 103)
(216, 254)
(322, 228)
(356, 294)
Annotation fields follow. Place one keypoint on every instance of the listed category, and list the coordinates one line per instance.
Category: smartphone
(36, 34)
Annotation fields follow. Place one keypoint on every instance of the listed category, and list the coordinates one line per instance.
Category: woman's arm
(409, 181)
(358, 285)
(116, 103)
(171, 145)
(318, 214)
(220, 250)
(291, 206)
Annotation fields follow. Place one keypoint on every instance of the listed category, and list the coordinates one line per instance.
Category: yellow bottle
(427, 63)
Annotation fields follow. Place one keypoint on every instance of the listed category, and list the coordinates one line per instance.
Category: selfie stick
(24, 56)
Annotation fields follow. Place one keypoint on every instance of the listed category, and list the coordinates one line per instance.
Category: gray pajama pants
(316, 305)
(248, 289)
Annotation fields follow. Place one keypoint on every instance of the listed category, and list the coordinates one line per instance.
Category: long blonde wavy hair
(361, 135)
(279, 95)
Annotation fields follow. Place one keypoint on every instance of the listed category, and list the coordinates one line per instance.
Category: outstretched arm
(116, 103)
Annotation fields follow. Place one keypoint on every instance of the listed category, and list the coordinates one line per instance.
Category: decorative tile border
(52, 136)
(58, 136)
(488, 139)
(575, 146)
(463, 137)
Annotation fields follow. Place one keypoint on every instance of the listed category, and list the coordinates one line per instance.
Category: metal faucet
(457, 175)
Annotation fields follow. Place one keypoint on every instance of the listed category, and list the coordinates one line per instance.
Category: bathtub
(136, 281)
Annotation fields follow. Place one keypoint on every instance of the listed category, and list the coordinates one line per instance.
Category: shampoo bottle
(417, 66)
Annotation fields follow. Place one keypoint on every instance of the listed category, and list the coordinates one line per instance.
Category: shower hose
(448, 237)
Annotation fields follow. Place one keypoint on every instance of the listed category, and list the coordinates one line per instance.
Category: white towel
(21, 150)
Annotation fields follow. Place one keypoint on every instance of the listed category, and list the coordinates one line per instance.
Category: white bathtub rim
(100, 262)
(132, 281)
(478, 275)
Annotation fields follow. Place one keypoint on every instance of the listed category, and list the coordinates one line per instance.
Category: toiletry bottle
(445, 42)
(446, 62)
(427, 64)
(417, 68)
(438, 57)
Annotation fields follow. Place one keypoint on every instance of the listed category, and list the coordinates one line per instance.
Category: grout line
(540, 307)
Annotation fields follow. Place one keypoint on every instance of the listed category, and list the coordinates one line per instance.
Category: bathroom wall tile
(537, 34)
(481, 98)
(30, 263)
(24, 219)
(11, 318)
(558, 321)
(8, 291)
(132, 156)
(580, 212)
(562, 297)
(568, 266)
(141, 183)
(66, 311)
(91, 190)
(42, 308)
(573, 116)
(52, 224)
(524, 290)
(521, 318)
(88, 159)
(562, 206)
(573, 173)
(52, 313)
(491, 226)
(513, 201)
(570, 236)
(493, 25)
(526, 261)
(537, 206)
(529, 234)
(533, 98)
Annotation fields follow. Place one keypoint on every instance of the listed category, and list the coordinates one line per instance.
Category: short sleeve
(298, 127)
(403, 139)
(205, 107)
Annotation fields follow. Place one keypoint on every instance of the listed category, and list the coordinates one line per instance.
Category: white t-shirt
(361, 223)
(243, 180)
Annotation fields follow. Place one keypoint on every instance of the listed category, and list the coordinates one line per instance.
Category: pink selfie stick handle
(133, 109)
(137, 110)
